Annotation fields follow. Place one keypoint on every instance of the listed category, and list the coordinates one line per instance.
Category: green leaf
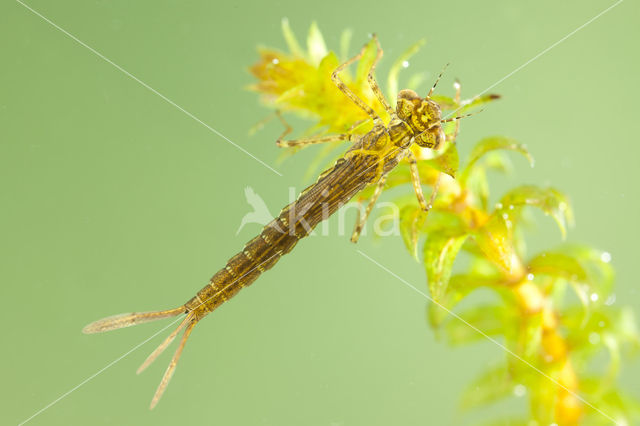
(495, 240)
(412, 218)
(365, 62)
(492, 320)
(345, 41)
(477, 183)
(490, 144)
(447, 162)
(493, 385)
(292, 41)
(398, 65)
(549, 200)
(527, 337)
(499, 162)
(595, 263)
(476, 102)
(416, 80)
(440, 250)
(626, 327)
(315, 44)
(623, 407)
(445, 102)
(459, 287)
(476, 180)
(557, 265)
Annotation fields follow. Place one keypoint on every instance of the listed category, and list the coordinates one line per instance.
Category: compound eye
(426, 140)
(404, 108)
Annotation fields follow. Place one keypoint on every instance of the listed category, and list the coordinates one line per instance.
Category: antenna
(437, 80)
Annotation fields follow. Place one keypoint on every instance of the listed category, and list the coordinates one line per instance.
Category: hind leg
(363, 220)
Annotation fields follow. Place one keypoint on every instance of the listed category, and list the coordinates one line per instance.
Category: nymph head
(423, 115)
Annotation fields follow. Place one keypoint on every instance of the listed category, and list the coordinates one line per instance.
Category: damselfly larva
(371, 157)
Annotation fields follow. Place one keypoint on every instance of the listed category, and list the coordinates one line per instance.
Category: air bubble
(594, 297)
(519, 390)
(275, 61)
(498, 206)
(505, 216)
(405, 64)
(605, 257)
(594, 338)
(530, 277)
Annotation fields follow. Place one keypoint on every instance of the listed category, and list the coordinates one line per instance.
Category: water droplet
(519, 390)
(498, 206)
(511, 207)
(594, 338)
(405, 64)
(605, 257)
(610, 300)
(594, 297)
(530, 277)
(505, 216)
(275, 61)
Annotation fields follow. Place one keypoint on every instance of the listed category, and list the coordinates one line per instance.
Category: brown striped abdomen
(316, 203)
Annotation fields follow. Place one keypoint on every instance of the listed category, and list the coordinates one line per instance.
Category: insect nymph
(372, 156)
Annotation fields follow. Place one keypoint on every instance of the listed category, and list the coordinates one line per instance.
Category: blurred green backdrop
(113, 200)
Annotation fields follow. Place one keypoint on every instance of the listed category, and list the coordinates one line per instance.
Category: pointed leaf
(315, 44)
(415, 81)
(557, 265)
(470, 104)
(459, 287)
(365, 62)
(292, 41)
(491, 386)
(440, 250)
(490, 144)
(398, 65)
(447, 162)
(345, 41)
(549, 200)
(445, 102)
(499, 162)
(411, 220)
(495, 240)
(596, 264)
(491, 320)
(477, 183)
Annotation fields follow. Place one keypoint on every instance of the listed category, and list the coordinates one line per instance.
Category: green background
(113, 200)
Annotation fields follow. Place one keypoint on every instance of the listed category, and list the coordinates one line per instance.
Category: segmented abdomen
(316, 203)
